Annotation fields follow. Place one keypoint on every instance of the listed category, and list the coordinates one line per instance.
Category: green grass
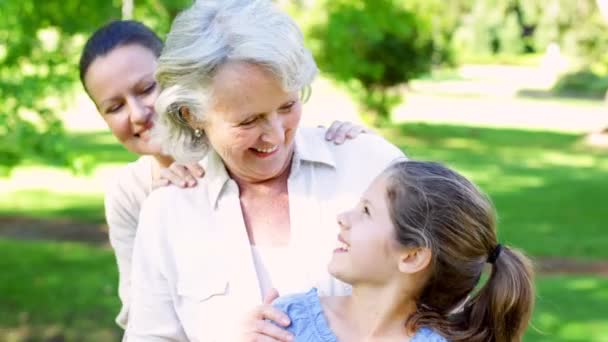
(549, 190)
(67, 290)
(41, 203)
(64, 291)
(570, 308)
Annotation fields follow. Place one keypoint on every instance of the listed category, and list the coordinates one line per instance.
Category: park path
(20, 228)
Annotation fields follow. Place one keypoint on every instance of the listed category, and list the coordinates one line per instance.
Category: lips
(144, 130)
(342, 246)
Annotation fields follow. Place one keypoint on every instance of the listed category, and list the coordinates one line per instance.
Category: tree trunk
(127, 9)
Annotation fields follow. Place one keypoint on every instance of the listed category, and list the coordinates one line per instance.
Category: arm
(152, 316)
(121, 216)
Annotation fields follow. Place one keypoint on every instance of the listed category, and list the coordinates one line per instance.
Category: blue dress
(308, 323)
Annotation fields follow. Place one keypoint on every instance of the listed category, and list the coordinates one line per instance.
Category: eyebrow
(365, 201)
(251, 115)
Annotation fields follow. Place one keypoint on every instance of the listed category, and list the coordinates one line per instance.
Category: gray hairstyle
(208, 35)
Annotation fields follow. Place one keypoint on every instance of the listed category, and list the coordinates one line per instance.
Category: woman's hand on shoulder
(340, 131)
(259, 326)
(182, 175)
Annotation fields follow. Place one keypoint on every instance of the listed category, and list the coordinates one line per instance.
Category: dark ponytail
(501, 309)
(434, 207)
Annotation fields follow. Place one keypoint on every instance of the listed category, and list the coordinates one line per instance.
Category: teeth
(266, 150)
(343, 246)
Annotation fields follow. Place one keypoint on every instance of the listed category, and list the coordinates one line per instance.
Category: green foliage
(521, 26)
(372, 46)
(584, 83)
(40, 42)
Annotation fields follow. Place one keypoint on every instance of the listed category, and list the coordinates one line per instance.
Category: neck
(163, 161)
(379, 312)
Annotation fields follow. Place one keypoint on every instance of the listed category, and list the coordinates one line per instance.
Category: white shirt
(123, 200)
(193, 274)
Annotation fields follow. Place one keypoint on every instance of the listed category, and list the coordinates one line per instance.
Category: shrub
(584, 83)
(372, 46)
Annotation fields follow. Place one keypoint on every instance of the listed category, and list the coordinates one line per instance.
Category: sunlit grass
(68, 290)
(549, 190)
(57, 291)
(570, 308)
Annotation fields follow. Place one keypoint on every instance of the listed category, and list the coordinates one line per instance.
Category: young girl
(414, 250)
(117, 69)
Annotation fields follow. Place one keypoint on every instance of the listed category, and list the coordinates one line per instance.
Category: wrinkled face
(252, 122)
(366, 251)
(123, 88)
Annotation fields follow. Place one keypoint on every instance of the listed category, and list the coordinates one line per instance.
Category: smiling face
(252, 122)
(122, 85)
(367, 252)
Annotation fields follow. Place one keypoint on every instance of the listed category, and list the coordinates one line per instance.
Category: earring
(198, 133)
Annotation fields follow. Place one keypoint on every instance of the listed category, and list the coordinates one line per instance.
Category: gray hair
(208, 35)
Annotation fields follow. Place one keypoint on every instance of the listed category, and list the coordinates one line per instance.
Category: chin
(338, 273)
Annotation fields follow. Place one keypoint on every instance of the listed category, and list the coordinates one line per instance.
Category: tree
(372, 46)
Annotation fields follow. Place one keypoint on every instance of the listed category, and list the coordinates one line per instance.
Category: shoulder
(428, 335)
(295, 305)
(126, 191)
(133, 179)
(365, 147)
(305, 312)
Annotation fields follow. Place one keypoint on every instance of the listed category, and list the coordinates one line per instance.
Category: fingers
(330, 134)
(181, 175)
(271, 296)
(266, 331)
(268, 312)
(267, 323)
(339, 131)
(195, 170)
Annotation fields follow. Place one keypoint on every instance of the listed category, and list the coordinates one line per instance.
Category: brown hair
(434, 207)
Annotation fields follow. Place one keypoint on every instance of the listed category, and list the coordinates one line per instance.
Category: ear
(188, 117)
(415, 260)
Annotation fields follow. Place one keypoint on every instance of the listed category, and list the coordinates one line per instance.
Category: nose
(274, 130)
(139, 113)
(343, 221)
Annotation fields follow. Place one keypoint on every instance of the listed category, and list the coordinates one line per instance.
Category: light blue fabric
(308, 323)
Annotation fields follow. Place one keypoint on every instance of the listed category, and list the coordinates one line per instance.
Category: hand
(258, 326)
(339, 131)
(182, 175)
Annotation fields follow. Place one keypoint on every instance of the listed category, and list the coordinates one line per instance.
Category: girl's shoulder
(298, 305)
(308, 323)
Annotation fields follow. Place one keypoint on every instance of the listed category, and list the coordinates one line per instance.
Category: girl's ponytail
(501, 309)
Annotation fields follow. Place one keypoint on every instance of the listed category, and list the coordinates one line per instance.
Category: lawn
(75, 284)
(549, 190)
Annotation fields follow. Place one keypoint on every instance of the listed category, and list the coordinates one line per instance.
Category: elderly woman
(117, 68)
(232, 75)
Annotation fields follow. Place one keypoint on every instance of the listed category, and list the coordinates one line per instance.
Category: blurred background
(510, 92)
